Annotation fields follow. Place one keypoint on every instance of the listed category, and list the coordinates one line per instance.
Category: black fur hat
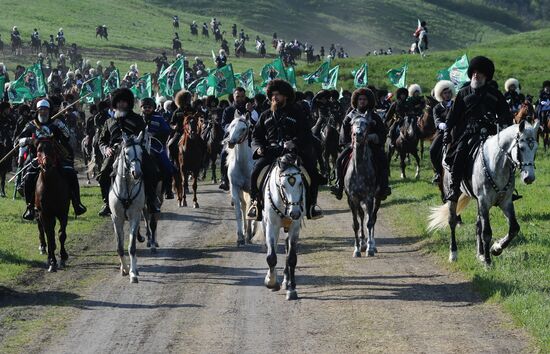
(282, 87)
(363, 92)
(546, 84)
(482, 64)
(148, 101)
(401, 91)
(4, 105)
(123, 94)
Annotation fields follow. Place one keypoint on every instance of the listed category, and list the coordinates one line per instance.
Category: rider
(124, 121)
(43, 127)
(512, 95)
(478, 111)
(283, 127)
(35, 35)
(418, 32)
(543, 105)
(159, 130)
(60, 35)
(243, 107)
(416, 101)
(397, 112)
(363, 103)
(443, 93)
(221, 59)
(15, 32)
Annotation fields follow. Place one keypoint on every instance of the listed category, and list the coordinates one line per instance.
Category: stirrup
(252, 213)
(29, 214)
(315, 212)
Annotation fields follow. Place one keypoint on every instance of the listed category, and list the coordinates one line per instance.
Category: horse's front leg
(134, 227)
(415, 155)
(453, 252)
(238, 214)
(402, 164)
(362, 242)
(62, 238)
(513, 229)
(486, 232)
(49, 228)
(185, 189)
(372, 208)
(118, 225)
(354, 211)
(41, 237)
(291, 261)
(271, 236)
(195, 178)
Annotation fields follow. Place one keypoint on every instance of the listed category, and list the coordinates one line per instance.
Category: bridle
(129, 199)
(281, 189)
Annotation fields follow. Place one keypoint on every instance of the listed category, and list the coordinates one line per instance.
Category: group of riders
(283, 121)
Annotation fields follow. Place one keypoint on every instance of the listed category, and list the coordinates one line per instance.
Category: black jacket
(440, 111)
(379, 128)
(131, 124)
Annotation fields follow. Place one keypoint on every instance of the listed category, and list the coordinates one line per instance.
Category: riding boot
(29, 185)
(338, 188)
(74, 187)
(167, 184)
(105, 210)
(224, 185)
(313, 210)
(382, 174)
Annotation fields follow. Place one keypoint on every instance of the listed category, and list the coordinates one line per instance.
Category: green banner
(319, 75)
(332, 79)
(274, 70)
(112, 83)
(291, 77)
(221, 81)
(246, 81)
(29, 86)
(143, 87)
(398, 77)
(361, 76)
(172, 79)
(92, 89)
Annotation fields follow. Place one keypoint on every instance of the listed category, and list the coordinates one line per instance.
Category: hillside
(358, 25)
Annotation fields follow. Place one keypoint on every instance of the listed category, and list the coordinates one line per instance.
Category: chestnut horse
(52, 201)
(426, 125)
(191, 156)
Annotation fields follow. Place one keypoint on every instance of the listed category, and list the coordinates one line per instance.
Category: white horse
(127, 199)
(284, 205)
(422, 39)
(492, 184)
(239, 168)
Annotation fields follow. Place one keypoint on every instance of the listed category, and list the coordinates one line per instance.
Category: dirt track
(202, 294)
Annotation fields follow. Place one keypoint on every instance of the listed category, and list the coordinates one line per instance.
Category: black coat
(131, 124)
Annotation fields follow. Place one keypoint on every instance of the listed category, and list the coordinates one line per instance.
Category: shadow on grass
(10, 258)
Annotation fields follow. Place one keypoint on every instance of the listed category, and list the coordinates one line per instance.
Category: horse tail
(439, 216)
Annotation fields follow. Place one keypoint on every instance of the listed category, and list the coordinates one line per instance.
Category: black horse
(406, 143)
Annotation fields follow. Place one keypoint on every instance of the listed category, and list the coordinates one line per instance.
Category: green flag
(112, 83)
(29, 86)
(319, 75)
(330, 84)
(172, 79)
(291, 77)
(143, 87)
(274, 70)
(246, 81)
(443, 74)
(221, 81)
(202, 87)
(458, 72)
(398, 77)
(361, 76)
(92, 89)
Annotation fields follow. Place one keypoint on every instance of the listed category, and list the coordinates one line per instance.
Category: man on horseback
(363, 102)
(124, 121)
(159, 130)
(444, 93)
(283, 128)
(543, 105)
(479, 110)
(512, 95)
(397, 112)
(42, 127)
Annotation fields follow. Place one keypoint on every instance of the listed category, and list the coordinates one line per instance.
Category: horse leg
(195, 178)
(291, 261)
(362, 242)
(213, 167)
(372, 208)
(49, 227)
(415, 155)
(118, 225)
(153, 225)
(235, 196)
(486, 232)
(3, 183)
(185, 184)
(41, 237)
(62, 238)
(354, 211)
(453, 254)
(134, 226)
(402, 156)
(479, 240)
(271, 236)
(513, 229)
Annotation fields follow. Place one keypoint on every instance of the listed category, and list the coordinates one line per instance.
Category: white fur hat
(167, 105)
(511, 81)
(414, 88)
(442, 86)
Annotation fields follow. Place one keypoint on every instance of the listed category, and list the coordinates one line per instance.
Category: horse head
(132, 153)
(359, 130)
(191, 126)
(46, 154)
(524, 150)
(290, 184)
(237, 131)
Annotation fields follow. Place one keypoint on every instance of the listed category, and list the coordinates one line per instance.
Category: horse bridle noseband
(280, 189)
(126, 202)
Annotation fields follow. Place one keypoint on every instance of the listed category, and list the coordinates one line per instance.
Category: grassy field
(519, 279)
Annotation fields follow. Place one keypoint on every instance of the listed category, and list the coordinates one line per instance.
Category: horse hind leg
(62, 238)
(49, 229)
(291, 261)
(417, 158)
(453, 249)
(239, 212)
(513, 230)
(42, 238)
(195, 203)
(357, 250)
(372, 209)
(271, 243)
(486, 232)
(362, 243)
(118, 225)
(134, 226)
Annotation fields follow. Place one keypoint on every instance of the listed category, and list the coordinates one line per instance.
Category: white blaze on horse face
(292, 188)
(237, 129)
(526, 151)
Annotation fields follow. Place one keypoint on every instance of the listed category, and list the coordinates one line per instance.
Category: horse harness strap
(488, 175)
(126, 202)
(282, 195)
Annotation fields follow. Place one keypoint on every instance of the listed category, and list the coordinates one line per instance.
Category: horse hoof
(370, 253)
(52, 268)
(156, 244)
(402, 176)
(363, 248)
(153, 250)
(140, 238)
(357, 254)
(42, 249)
(284, 285)
(62, 263)
(123, 272)
(275, 287)
(89, 182)
(195, 205)
(184, 204)
(134, 280)
(240, 243)
(496, 249)
(453, 256)
(148, 244)
(291, 295)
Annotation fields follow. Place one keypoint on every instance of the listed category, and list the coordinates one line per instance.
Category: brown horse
(526, 112)
(191, 156)
(52, 201)
(426, 124)
(213, 137)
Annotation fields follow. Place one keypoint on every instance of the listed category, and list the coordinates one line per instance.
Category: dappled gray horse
(492, 184)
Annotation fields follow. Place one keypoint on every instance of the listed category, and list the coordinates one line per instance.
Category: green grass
(19, 239)
(519, 279)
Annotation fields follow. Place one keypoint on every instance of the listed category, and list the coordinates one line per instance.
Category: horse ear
(536, 126)
(522, 126)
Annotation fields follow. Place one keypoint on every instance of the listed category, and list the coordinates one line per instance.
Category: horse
(526, 112)
(213, 138)
(406, 143)
(52, 202)
(127, 199)
(176, 46)
(239, 169)
(422, 45)
(490, 179)
(284, 196)
(191, 151)
(86, 149)
(329, 144)
(101, 32)
(360, 187)
(36, 46)
(16, 45)
(5, 167)
(425, 124)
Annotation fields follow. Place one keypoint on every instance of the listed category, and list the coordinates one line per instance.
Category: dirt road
(202, 294)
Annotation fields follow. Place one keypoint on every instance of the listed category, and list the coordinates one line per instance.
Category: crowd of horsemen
(283, 120)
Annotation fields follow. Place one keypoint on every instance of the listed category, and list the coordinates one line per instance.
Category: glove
(442, 126)
(289, 145)
(25, 141)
